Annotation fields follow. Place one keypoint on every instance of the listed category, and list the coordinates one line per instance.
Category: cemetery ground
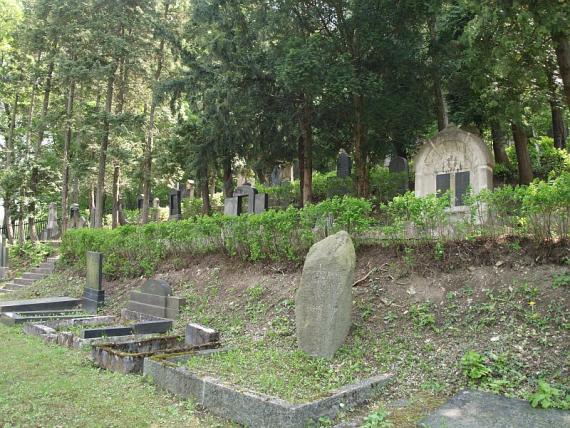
(477, 314)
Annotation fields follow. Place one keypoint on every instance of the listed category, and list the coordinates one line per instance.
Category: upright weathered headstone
(323, 305)
(248, 191)
(174, 204)
(343, 164)
(276, 175)
(399, 165)
(232, 205)
(93, 294)
(52, 229)
(156, 209)
(261, 203)
(155, 299)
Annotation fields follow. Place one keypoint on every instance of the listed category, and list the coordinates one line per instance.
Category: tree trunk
(66, 146)
(147, 161)
(100, 193)
(34, 172)
(92, 202)
(306, 121)
(440, 108)
(523, 157)
(558, 127)
(115, 213)
(360, 156)
(301, 156)
(228, 181)
(10, 141)
(498, 137)
(8, 219)
(562, 46)
(205, 191)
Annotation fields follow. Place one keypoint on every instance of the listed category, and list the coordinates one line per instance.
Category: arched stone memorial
(454, 160)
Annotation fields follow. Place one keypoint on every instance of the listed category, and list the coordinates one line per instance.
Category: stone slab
(148, 327)
(148, 299)
(91, 333)
(251, 409)
(15, 318)
(43, 304)
(197, 334)
(477, 409)
(147, 309)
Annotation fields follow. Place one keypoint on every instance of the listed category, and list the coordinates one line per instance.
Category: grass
(287, 373)
(47, 385)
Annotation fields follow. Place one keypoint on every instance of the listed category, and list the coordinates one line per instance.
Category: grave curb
(252, 409)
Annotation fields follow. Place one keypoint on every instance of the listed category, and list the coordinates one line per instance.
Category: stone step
(13, 287)
(5, 290)
(52, 259)
(43, 271)
(23, 281)
(47, 266)
(34, 276)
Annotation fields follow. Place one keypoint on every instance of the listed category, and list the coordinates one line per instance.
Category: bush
(275, 235)
(385, 185)
(29, 253)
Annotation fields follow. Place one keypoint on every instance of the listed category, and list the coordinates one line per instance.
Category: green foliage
(29, 253)
(422, 316)
(277, 235)
(473, 365)
(377, 419)
(384, 185)
(547, 396)
(561, 280)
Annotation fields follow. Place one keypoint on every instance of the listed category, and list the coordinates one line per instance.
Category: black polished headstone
(174, 204)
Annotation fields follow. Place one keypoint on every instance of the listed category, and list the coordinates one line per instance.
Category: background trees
(102, 100)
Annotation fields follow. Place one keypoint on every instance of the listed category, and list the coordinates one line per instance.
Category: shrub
(275, 235)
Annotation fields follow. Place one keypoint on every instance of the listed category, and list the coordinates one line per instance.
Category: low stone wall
(254, 410)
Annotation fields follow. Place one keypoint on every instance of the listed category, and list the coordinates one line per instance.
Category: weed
(473, 366)
(547, 396)
(439, 250)
(561, 280)
(422, 316)
(377, 419)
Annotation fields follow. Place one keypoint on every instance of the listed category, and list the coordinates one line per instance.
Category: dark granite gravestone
(174, 204)
(93, 294)
(399, 165)
(155, 298)
(477, 409)
(343, 165)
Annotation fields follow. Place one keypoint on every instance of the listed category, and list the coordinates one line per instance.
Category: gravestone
(197, 335)
(399, 165)
(453, 160)
(190, 189)
(232, 206)
(74, 216)
(140, 201)
(250, 192)
(155, 299)
(323, 304)
(156, 209)
(93, 294)
(261, 203)
(52, 229)
(174, 204)
(276, 176)
(343, 164)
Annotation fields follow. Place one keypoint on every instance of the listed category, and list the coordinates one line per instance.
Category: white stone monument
(453, 160)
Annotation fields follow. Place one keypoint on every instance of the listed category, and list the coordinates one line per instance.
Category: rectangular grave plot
(43, 304)
(128, 357)
(149, 327)
(249, 408)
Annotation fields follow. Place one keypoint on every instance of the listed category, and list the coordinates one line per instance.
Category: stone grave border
(16, 318)
(48, 332)
(110, 356)
(253, 409)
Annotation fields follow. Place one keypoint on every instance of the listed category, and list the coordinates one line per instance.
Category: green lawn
(48, 386)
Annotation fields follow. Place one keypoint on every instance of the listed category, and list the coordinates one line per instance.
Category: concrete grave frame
(453, 151)
(128, 357)
(252, 409)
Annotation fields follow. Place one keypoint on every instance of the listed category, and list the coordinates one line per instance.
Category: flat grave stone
(14, 318)
(477, 409)
(43, 304)
(90, 333)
